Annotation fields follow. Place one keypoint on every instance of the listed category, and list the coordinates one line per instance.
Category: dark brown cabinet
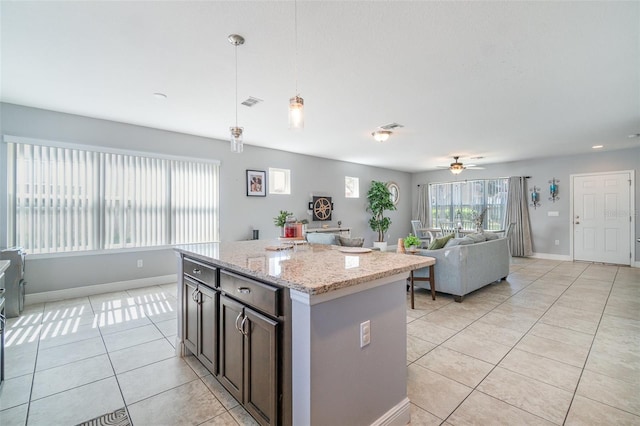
(250, 345)
(238, 330)
(200, 310)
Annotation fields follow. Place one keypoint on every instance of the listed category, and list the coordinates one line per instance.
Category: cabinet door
(208, 328)
(231, 347)
(190, 309)
(261, 393)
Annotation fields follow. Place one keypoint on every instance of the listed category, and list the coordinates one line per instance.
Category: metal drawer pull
(246, 333)
(237, 319)
(197, 271)
(244, 290)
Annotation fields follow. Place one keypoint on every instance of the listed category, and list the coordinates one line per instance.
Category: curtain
(518, 214)
(423, 208)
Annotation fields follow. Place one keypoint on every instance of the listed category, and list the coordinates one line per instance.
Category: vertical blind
(455, 202)
(76, 200)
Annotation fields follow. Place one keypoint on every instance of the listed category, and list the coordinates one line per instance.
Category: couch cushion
(459, 242)
(491, 236)
(350, 242)
(478, 238)
(321, 238)
(439, 243)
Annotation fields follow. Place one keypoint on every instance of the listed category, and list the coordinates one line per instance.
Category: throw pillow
(438, 243)
(459, 242)
(491, 236)
(478, 238)
(350, 242)
(321, 238)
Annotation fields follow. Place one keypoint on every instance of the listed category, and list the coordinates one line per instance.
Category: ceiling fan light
(381, 135)
(456, 168)
(296, 113)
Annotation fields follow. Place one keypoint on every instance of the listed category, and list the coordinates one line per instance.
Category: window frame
(168, 235)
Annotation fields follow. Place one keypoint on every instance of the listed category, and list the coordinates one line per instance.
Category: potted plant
(411, 242)
(379, 201)
(281, 219)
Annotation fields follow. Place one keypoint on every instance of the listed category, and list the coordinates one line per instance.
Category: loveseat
(462, 267)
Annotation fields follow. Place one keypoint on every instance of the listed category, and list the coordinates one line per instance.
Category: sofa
(462, 266)
(333, 239)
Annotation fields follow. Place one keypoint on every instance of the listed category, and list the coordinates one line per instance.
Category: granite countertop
(4, 264)
(310, 268)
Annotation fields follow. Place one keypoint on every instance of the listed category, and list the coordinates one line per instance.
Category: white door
(602, 218)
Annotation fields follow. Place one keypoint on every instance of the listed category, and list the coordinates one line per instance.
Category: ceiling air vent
(251, 101)
(391, 126)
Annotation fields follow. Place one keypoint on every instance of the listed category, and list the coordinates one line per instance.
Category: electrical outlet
(557, 242)
(365, 333)
(139, 263)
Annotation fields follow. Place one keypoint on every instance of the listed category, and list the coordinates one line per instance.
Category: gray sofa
(461, 269)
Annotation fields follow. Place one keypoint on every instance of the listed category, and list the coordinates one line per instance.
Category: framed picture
(256, 183)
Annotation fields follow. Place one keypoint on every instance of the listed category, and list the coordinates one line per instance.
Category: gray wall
(546, 229)
(239, 214)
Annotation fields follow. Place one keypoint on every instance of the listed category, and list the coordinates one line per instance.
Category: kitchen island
(307, 335)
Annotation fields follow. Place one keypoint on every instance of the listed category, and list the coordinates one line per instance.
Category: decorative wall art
(394, 189)
(535, 197)
(553, 190)
(256, 183)
(321, 208)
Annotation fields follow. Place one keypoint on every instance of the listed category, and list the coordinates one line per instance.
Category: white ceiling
(501, 80)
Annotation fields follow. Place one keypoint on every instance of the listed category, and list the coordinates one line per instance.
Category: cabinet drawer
(253, 293)
(199, 271)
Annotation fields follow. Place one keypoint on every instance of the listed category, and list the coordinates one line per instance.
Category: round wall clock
(394, 189)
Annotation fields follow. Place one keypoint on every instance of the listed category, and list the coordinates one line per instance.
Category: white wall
(545, 229)
(239, 214)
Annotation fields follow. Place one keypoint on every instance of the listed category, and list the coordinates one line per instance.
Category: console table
(345, 232)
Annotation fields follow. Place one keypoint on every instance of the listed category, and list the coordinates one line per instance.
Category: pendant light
(296, 104)
(237, 145)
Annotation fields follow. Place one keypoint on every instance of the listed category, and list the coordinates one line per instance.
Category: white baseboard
(399, 415)
(70, 293)
(549, 256)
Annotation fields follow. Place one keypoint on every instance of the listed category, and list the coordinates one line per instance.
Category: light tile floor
(557, 343)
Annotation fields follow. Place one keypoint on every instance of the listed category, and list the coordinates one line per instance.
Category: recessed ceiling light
(634, 135)
(159, 95)
(597, 146)
(476, 158)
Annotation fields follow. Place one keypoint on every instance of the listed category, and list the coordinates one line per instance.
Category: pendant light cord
(236, 103)
(295, 37)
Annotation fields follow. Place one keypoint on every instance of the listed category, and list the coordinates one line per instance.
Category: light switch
(554, 213)
(365, 333)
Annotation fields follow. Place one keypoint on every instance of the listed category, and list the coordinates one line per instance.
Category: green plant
(412, 240)
(379, 199)
(281, 219)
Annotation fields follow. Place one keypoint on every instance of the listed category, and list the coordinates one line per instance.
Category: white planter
(381, 245)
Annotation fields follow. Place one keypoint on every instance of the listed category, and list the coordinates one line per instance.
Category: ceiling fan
(457, 167)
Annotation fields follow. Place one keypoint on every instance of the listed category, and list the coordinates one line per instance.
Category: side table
(431, 278)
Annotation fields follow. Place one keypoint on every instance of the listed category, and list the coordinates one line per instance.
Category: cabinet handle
(238, 319)
(194, 295)
(246, 333)
(197, 271)
(244, 290)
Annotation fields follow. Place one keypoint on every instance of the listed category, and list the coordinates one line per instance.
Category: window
(67, 199)
(279, 181)
(461, 202)
(351, 187)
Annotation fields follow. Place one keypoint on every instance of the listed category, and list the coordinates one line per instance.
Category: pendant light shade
(296, 104)
(296, 113)
(235, 139)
